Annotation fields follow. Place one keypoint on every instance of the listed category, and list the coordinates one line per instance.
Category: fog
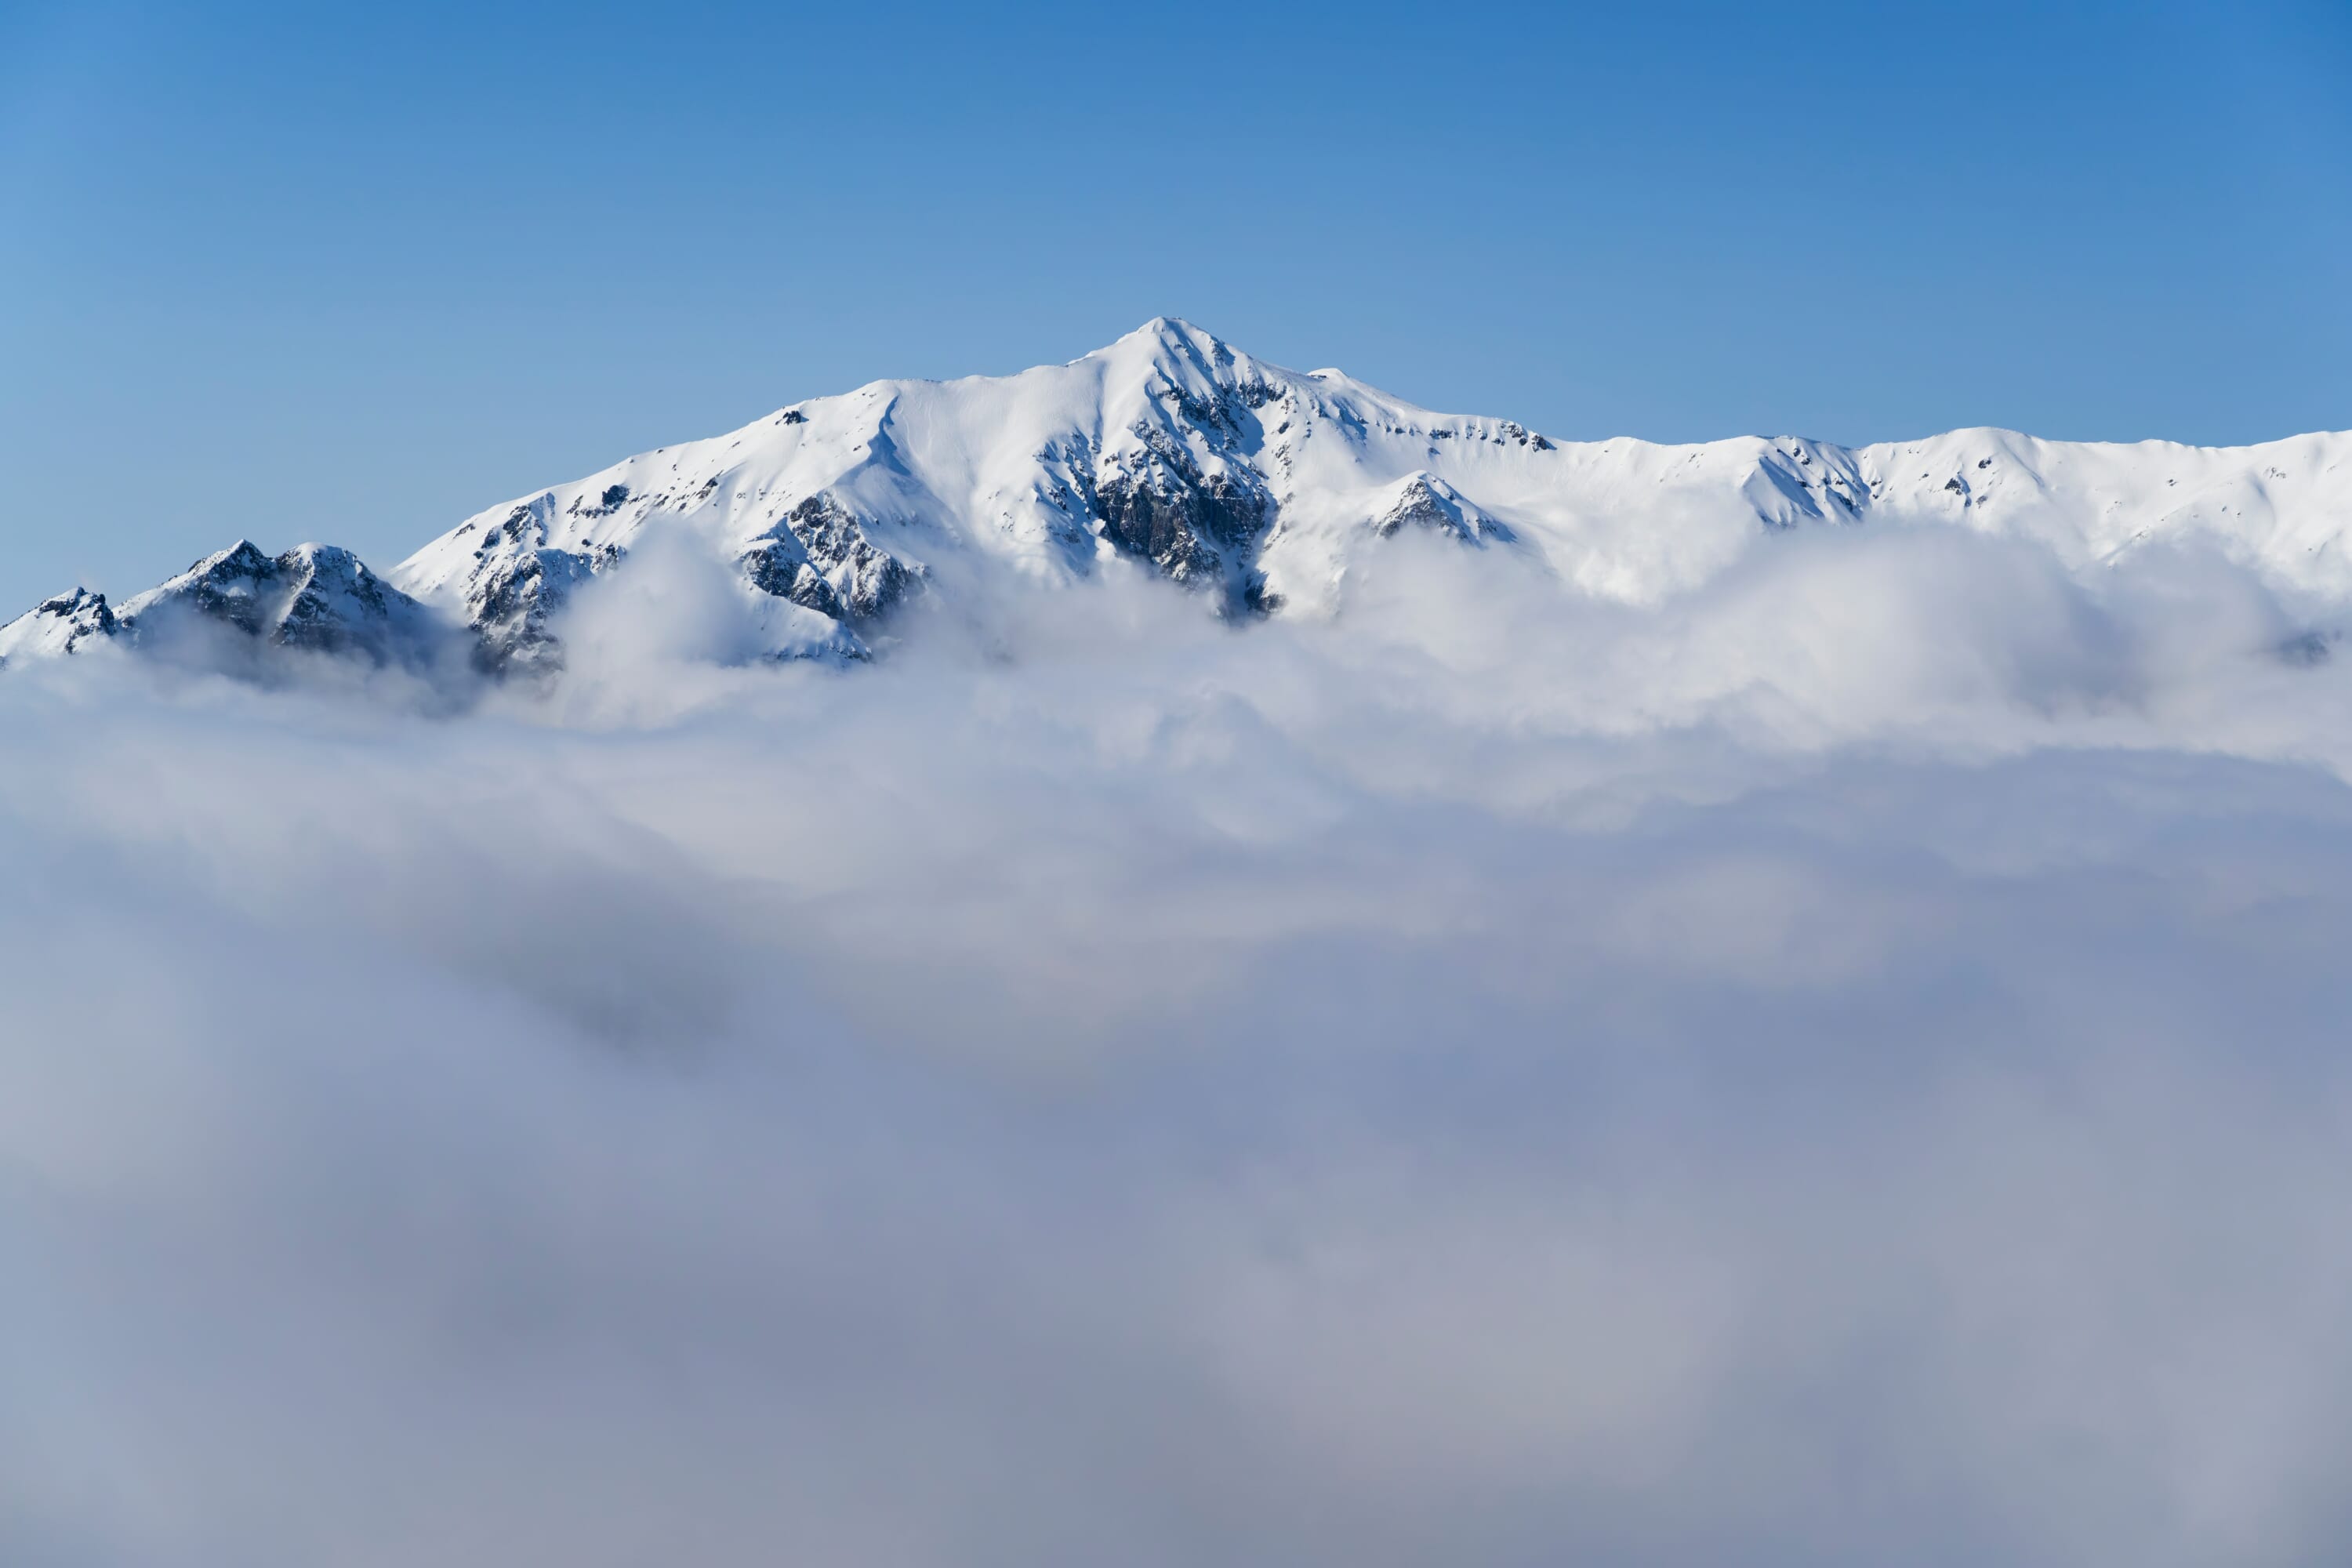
(1844, 1066)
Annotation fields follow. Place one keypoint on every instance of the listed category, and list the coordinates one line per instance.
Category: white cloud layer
(1844, 1066)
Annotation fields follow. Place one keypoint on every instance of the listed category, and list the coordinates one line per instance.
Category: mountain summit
(1171, 452)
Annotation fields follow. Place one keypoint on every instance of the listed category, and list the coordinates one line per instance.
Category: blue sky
(349, 273)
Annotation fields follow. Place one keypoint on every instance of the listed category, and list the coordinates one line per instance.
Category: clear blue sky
(351, 272)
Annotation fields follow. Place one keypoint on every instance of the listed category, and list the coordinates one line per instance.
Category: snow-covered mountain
(1171, 452)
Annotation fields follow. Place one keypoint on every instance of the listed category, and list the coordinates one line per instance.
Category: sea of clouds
(1844, 1066)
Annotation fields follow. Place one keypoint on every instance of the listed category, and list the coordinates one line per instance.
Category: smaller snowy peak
(57, 626)
(1425, 502)
(2280, 508)
(316, 598)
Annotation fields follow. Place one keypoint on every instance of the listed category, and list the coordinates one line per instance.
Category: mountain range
(1171, 453)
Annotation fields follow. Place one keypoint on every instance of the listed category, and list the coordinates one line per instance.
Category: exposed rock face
(1195, 527)
(519, 582)
(1188, 489)
(867, 581)
(781, 567)
(338, 606)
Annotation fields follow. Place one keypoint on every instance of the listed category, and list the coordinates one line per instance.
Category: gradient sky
(350, 273)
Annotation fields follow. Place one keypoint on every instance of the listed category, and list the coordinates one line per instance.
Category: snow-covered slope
(60, 626)
(1170, 451)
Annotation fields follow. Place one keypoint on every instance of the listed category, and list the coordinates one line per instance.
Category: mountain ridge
(1171, 452)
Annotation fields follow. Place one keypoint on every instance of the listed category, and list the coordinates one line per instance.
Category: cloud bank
(1841, 1066)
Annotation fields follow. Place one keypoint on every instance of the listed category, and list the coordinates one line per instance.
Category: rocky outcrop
(781, 567)
(519, 582)
(867, 581)
(1426, 501)
(1183, 494)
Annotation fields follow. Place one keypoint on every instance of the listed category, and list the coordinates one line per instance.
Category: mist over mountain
(1168, 961)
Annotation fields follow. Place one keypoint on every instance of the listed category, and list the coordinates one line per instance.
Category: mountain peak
(1175, 332)
(243, 556)
(1176, 347)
